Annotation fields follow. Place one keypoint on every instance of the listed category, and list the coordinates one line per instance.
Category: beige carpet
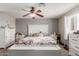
(3, 52)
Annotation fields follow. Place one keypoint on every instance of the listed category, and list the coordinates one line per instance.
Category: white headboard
(37, 28)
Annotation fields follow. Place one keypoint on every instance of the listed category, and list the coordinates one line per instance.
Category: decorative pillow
(41, 34)
(35, 34)
(19, 41)
(28, 42)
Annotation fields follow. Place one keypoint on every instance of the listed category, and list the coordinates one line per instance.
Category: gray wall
(7, 19)
(22, 24)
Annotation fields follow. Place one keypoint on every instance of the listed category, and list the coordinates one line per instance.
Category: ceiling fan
(33, 13)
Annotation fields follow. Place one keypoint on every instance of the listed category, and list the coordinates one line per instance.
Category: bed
(35, 49)
(38, 43)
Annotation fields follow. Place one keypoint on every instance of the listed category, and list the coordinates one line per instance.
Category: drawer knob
(76, 47)
(74, 39)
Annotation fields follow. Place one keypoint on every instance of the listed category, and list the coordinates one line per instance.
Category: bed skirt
(34, 53)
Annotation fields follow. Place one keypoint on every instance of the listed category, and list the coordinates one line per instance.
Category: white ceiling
(50, 10)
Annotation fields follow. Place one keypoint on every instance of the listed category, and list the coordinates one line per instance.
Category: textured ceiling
(49, 10)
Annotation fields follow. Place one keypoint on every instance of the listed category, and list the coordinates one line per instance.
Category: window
(70, 25)
(78, 22)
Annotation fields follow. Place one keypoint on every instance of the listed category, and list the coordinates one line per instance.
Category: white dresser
(74, 44)
(7, 36)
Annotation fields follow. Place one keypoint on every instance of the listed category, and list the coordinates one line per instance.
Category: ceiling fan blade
(32, 9)
(39, 15)
(39, 11)
(25, 10)
(26, 14)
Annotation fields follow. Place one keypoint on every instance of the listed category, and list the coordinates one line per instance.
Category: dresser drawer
(73, 52)
(73, 36)
(74, 46)
(74, 41)
(76, 54)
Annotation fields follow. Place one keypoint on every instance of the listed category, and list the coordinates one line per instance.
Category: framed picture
(35, 28)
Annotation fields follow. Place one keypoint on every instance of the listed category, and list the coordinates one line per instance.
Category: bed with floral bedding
(42, 40)
(35, 46)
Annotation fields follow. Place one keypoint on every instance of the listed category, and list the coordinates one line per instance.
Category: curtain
(66, 27)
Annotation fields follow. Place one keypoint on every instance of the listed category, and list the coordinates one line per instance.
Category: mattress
(30, 47)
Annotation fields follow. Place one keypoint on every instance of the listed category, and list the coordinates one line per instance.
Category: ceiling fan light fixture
(32, 15)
